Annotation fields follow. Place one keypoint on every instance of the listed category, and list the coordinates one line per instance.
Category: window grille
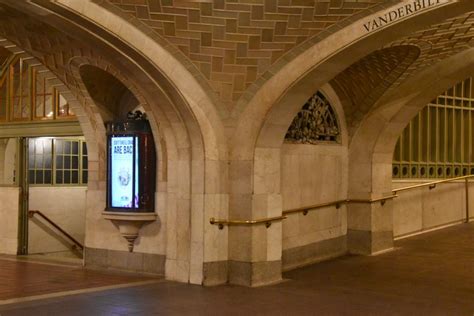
(439, 142)
(315, 123)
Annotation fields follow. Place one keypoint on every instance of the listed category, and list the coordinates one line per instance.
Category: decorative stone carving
(315, 122)
(129, 224)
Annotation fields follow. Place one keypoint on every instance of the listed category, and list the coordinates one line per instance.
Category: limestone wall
(9, 219)
(106, 248)
(423, 209)
(63, 205)
(313, 174)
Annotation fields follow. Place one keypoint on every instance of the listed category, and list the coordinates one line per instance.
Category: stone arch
(365, 81)
(84, 119)
(75, 65)
(318, 65)
(315, 236)
(398, 108)
(167, 140)
(255, 147)
(372, 148)
(199, 115)
(200, 150)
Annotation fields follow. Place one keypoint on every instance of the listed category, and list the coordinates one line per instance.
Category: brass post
(466, 181)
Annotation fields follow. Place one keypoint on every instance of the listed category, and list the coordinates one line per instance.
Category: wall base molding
(125, 261)
(254, 274)
(298, 257)
(361, 242)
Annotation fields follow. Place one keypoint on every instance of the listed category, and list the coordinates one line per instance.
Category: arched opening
(44, 157)
(437, 144)
(109, 94)
(313, 166)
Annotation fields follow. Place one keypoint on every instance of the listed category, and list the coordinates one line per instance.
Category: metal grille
(315, 123)
(438, 142)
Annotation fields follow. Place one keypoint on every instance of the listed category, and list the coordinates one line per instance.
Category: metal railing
(32, 213)
(338, 203)
(433, 184)
(268, 221)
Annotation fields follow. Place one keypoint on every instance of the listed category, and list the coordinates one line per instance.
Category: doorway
(56, 181)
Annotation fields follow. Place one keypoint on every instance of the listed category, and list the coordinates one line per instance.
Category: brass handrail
(305, 209)
(268, 221)
(32, 213)
(432, 184)
(338, 204)
(222, 222)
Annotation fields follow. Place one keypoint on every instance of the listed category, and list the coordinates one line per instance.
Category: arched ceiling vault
(360, 85)
(55, 44)
(381, 72)
(233, 45)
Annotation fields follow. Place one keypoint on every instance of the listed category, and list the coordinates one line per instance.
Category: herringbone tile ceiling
(233, 42)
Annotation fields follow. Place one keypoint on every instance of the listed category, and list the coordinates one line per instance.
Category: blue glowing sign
(124, 171)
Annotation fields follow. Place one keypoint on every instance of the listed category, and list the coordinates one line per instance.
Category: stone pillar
(370, 226)
(214, 261)
(255, 251)
(3, 145)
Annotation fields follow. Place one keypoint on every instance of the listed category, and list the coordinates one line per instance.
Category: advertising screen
(123, 193)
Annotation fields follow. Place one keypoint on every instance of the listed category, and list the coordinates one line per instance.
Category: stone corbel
(130, 223)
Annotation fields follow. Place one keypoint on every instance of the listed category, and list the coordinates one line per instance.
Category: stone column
(255, 251)
(370, 226)
(3, 145)
(369, 229)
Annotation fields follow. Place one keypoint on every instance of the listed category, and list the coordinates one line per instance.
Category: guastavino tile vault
(281, 132)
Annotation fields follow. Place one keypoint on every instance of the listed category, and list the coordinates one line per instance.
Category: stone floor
(430, 274)
(19, 279)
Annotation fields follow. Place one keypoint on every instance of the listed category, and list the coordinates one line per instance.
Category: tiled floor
(23, 279)
(431, 274)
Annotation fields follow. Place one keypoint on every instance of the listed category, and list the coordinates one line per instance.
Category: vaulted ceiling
(364, 82)
(232, 43)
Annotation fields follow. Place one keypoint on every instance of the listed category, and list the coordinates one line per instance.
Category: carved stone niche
(130, 223)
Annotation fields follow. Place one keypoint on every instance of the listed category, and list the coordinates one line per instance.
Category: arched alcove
(109, 94)
(313, 171)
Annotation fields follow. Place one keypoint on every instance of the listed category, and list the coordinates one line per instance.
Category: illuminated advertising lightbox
(131, 165)
(124, 175)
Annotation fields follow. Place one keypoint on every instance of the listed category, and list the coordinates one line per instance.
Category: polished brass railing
(32, 213)
(433, 184)
(268, 221)
(338, 203)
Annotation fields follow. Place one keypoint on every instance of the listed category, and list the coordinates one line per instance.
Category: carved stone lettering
(400, 12)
